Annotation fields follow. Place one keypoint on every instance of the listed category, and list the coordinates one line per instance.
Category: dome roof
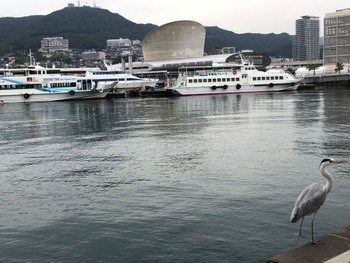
(175, 40)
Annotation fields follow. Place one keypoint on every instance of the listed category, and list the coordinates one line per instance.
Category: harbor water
(184, 179)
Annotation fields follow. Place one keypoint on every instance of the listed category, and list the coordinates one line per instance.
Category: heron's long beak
(341, 161)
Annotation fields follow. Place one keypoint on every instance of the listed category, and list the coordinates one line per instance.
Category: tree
(312, 67)
(339, 67)
(291, 71)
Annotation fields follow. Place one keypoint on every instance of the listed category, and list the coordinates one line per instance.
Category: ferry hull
(28, 97)
(196, 91)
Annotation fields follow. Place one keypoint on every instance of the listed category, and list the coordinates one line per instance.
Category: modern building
(306, 42)
(336, 47)
(180, 44)
(175, 40)
(52, 44)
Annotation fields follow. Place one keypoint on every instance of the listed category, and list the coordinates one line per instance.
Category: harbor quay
(328, 80)
(332, 248)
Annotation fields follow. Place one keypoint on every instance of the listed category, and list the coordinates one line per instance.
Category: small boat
(124, 82)
(38, 86)
(231, 79)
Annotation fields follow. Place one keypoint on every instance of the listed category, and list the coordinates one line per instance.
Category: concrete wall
(176, 40)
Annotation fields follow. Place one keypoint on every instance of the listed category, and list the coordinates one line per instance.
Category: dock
(328, 80)
(332, 248)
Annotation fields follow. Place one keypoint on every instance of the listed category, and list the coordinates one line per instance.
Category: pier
(328, 80)
(332, 248)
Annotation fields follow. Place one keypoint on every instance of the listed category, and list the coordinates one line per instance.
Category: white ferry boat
(231, 79)
(37, 86)
(124, 82)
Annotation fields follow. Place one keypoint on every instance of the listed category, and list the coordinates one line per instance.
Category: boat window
(267, 78)
(214, 80)
(254, 78)
(204, 80)
(209, 80)
(237, 79)
(200, 80)
(281, 77)
(262, 78)
(272, 78)
(259, 78)
(195, 80)
(190, 81)
(219, 80)
(232, 79)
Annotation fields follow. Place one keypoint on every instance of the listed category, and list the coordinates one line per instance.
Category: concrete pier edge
(332, 248)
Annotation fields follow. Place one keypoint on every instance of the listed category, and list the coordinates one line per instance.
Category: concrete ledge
(332, 248)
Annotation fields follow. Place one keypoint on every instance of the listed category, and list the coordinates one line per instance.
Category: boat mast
(30, 58)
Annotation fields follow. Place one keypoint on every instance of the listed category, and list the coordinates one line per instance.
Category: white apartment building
(52, 44)
(121, 42)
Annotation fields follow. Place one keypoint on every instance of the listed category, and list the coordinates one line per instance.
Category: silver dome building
(175, 40)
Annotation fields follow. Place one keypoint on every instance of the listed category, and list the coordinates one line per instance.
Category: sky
(248, 16)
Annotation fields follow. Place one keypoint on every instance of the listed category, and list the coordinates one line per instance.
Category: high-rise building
(306, 42)
(336, 47)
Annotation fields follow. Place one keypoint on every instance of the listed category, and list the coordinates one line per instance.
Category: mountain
(85, 27)
(88, 28)
(278, 45)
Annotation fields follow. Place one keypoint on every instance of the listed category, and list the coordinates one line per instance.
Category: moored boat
(231, 79)
(124, 82)
(38, 86)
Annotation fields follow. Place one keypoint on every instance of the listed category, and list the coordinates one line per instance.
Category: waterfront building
(306, 42)
(337, 37)
(52, 44)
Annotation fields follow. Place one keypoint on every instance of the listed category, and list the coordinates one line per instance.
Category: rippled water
(197, 179)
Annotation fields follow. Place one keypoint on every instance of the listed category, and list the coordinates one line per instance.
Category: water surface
(197, 179)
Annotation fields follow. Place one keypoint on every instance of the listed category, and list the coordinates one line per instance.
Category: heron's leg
(301, 225)
(312, 228)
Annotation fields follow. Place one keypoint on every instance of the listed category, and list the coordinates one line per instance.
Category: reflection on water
(197, 179)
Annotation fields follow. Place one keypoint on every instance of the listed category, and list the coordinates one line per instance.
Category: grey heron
(312, 197)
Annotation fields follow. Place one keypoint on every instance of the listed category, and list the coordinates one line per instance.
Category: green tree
(312, 67)
(291, 71)
(339, 67)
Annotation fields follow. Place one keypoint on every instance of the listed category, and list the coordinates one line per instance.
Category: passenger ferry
(36, 85)
(231, 79)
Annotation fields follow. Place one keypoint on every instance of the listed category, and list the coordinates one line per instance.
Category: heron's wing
(309, 201)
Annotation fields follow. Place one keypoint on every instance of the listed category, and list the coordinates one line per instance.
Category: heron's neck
(329, 178)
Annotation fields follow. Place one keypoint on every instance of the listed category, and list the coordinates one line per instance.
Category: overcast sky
(248, 16)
